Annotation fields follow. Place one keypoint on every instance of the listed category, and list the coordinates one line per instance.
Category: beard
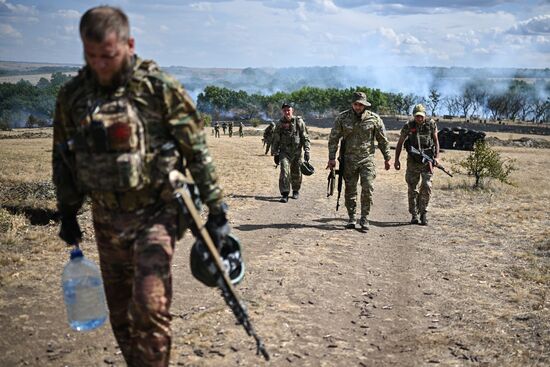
(119, 78)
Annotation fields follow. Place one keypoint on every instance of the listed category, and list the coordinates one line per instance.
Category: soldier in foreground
(289, 138)
(422, 135)
(121, 125)
(268, 135)
(358, 128)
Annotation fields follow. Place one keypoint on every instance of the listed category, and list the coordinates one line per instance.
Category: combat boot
(295, 194)
(423, 219)
(351, 223)
(364, 223)
(414, 219)
(284, 198)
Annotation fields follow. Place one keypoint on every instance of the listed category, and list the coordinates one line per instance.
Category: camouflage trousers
(135, 254)
(290, 175)
(267, 147)
(352, 173)
(418, 197)
(217, 133)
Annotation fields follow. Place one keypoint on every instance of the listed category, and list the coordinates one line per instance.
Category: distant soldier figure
(224, 127)
(241, 129)
(230, 126)
(422, 135)
(289, 138)
(359, 128)
(216, 129)
(268, 134)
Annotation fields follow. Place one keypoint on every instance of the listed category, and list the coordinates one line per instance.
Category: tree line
(25, 104)
(477, 99)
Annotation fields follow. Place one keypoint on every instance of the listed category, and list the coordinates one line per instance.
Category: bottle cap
(76, 253)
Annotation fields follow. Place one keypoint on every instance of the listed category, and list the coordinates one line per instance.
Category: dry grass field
(471, 289)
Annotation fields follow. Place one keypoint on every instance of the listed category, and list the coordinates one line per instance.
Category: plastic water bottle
(83, 293)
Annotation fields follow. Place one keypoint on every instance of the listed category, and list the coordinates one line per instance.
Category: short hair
(97, 23)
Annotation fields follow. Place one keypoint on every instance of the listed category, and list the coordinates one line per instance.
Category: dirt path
(319, 295)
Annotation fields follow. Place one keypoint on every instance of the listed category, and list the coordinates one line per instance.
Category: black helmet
(307, 169)
(203, 269)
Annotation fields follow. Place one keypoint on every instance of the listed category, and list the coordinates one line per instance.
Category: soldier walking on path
(241, 129)
(359, 128)
(268, 135)
(289, 138)
(230, 126)
(422, 135)
(216, 129)
(120, 126)
(224, 127)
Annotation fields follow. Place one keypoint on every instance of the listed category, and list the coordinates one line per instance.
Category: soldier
(289, 138)
(241, 129)
(422, 135)
(224, 127)
(230, 128)
(217, 129)
(120, 126)
(358, 127)
(268, 134)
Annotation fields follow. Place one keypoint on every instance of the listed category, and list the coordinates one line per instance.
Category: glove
(218, 226)
(306, 156)
(276, 159)
(70, 230)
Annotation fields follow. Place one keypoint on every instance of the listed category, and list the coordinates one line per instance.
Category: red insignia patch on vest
(119, 133)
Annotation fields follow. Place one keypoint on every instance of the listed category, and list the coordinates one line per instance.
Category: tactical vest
(290, 138)
(421, 137)
(111, 147)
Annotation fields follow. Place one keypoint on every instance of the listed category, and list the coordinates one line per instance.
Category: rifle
(189, 210)
(340, 171)
(427, 159)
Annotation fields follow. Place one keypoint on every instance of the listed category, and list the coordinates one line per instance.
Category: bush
(255, 122)
(485, 163)
(207, 119)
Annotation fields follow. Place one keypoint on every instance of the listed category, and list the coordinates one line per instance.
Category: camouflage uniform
(268, 134)
(412, 133)
(288, 140)
(241, 127)
(359, 133)
(121, 144)
(230, 126)
(224, 127)
(217, 130)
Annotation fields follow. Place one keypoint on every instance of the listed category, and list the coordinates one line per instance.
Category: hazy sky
(256, 33)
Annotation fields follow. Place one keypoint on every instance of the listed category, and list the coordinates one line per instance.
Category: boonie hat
(360, 97)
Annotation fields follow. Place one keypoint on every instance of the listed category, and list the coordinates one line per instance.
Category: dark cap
(286, 105)
(360, 97)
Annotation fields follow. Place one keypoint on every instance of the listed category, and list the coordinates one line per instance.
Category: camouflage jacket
(413, 134)
(290, 138)
(268, 132)
(359, 132)
(168, 118)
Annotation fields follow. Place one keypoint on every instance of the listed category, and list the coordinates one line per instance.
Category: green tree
(484, 163)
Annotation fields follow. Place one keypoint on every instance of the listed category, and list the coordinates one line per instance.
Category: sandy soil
(464, 291)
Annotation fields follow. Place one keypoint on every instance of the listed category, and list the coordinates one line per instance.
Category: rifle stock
(184, 200)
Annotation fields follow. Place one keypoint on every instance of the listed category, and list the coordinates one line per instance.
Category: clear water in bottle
(83, 293)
